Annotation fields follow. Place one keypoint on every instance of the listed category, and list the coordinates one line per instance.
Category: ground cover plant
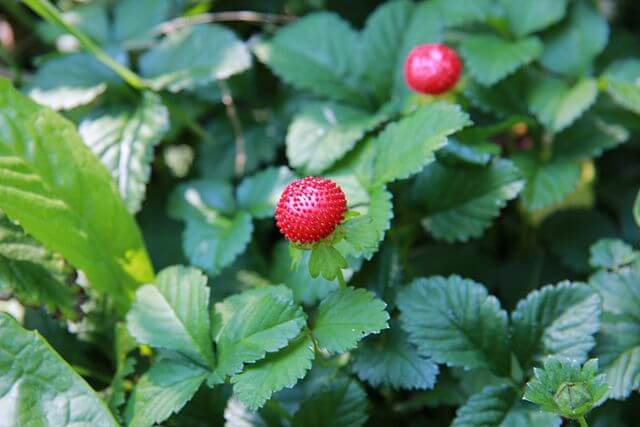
(319, 213)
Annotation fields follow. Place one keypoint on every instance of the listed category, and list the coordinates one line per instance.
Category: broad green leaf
(252, 324)
(90, 18)
(323, 133)
(571, 48)
(326, 261)
(46, 168)
(546, 182)
(70, 81)
(622, 83)
(257, 383)
(529, 16)
(556, 320)
(164, 389)
(611, 254)
(316, 53)
(391, 360)
(406, 146)
(362, 234)
(173, 314)
(135, 20)
(462, 202)
(588, 137)
(339, 403)
(259, 194)
(455, 321)
(38, 388)
(459, 12)
(380, 211)
(124, 137)
(193, 57)
(491, 58)
(346, 316)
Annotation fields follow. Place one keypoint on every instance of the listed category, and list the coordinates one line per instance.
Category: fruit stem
(582, 422)
(341, 281)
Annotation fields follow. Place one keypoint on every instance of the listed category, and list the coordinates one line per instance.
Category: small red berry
(432, 68)
(310, 209)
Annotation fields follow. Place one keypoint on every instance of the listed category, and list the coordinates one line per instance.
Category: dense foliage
(485, 274)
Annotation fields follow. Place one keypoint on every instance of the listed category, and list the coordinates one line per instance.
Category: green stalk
(341, 281)
(51, 14)
(582, 422)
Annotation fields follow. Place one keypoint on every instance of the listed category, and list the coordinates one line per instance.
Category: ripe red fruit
(310, 209)
(432, 68)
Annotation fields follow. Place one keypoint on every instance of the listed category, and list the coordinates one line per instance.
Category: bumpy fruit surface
(432, 68)
(310, 209)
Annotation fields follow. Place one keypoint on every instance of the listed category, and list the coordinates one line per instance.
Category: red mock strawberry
(310, 209)
(432, 68)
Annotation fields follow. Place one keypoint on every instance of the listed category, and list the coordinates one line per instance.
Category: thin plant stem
(582, 422)
(241, 153)
(341, 281)
(230, 16)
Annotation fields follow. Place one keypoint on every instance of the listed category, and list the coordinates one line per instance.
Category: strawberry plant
(316, 213)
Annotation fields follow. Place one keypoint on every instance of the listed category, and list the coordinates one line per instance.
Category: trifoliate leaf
(529, 16)
(173, 313)
(557, 105)
(134, 29)
(461, 202)
(456, 322)
(587, 138)
(346, 316)
(161, 391)
(259, 194)
(124, 139)
(406, 146)
(491, 58)
(257, 383)
(558, 320)
(611, 254)
(391, 360)
(323, 133)
(339, 403)
(571, 48)
(180, 62)
(326, 261)
(565, 388)
(38, 386)
(546, 182)
(621, 83)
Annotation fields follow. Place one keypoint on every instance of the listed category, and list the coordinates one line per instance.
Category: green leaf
(326, 261)
(259, 194)
(346, 316)
(361, 232)
(161, 391)
(565, 388)
(315, 53)
(611, 254)
(46, 168)
(588, 137)
(456, 153)
(491, 58)
(406, 146)
(252, 324)
(462, 202)
(547, 182)
(257, 383)
(37, 387)
(123, 344)
(636, 209)
(339, 403)
(571, 48)
(621, 83)
(323, 133)
(558, 320)
(134, 29)
(124, 139)
(458, 12)
(70, 81)
(179, 61)
(528, 16)
(90, 18)
(503, 99)
(391, 360)
(456, 322)
(173, 314)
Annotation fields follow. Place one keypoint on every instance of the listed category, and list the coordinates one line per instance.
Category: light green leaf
(571, 48)
(622, 83)
(316, 53)
(611, 254)
(456, 322)
(346, 316)
(326, 261)
(556, 320)
(259, 194)
(193, 57)
(361, 232)
(161, 391)
(257, 383)
(37, 387)
(135, 29)
(323, 133)
(406, 146)
(173, 313)
(462, 202)
(46, 168)
(547, 183)
(70, 81)
(391, 360)
(529, 16)
(491, 58)
(124, 139)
